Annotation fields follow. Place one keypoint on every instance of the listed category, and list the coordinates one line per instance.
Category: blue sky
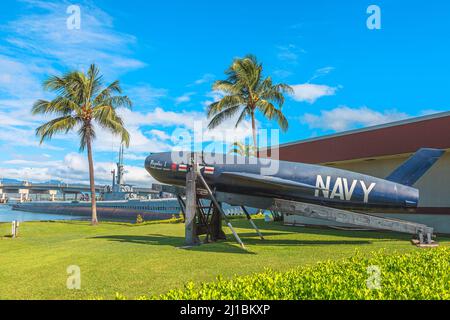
(167, 56)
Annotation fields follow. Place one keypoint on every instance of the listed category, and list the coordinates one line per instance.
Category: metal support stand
(216, 225)
(219, 208)
(249, 218)
(191, 237)
(423, 232)
(15, 229)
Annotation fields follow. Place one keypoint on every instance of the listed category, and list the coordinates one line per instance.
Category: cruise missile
(307, 183)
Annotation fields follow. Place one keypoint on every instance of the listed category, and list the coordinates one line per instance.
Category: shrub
(139, 219)
(172, 220)
(422, 274)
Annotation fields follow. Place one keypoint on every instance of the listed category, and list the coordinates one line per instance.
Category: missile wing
(416, 166)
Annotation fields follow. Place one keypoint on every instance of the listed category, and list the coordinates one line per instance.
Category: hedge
(421, 274)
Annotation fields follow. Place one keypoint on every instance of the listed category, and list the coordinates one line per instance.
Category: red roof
(390, 139)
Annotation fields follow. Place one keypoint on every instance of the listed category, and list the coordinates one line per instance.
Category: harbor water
(8, 215)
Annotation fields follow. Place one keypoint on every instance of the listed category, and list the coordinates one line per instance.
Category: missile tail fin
(416, 166)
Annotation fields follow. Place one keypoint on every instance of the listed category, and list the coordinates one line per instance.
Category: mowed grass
(149, 260)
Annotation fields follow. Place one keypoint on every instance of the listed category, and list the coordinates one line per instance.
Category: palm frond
(246, 87)
(272, 113)
(82, 99)
(63, 86)
(226, 102)
(107, 118)
(74, 87)
(118, 102)
(273, 95)
(55, 126)
(95, 81)
(244, 113)
(115, 126)
(242, 149)
(226, 87)
(107, 92)
(59, 106)
(284, 88)
(220, 117)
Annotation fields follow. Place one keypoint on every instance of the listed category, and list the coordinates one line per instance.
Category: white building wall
(434, 186)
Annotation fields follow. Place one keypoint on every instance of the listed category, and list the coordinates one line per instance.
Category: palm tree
(246, 92)
(242, 149)
(83, 102)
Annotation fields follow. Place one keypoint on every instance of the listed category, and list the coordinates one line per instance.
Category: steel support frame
(249, 218)
(423, 232)
(191, 236)
(219, 208)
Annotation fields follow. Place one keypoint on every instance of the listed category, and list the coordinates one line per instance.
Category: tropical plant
(361, 277)
(241, 149)
(139, 219)
(246, 91)
(83, 103)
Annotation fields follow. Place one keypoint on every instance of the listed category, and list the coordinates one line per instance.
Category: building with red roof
(378, 151)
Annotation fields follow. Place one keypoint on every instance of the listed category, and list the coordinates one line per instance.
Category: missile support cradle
(207, 220)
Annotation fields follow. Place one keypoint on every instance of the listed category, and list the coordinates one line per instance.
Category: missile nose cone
(149, 159)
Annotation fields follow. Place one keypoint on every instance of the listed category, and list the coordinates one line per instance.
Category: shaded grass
(147, 260)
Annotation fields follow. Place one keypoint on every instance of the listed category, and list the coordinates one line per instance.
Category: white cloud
(191, 123)
(25, 174)
(311, 92)
(39, 40)
(289, 53)
(139, 142)
(160, 117)
(15, 72)
(207, 77)
(227, 131)
(345, 118)
(428, 112)
(134, 157)
(160, 134)
(321, 72)
(73, 169)
(15, 136)
(138, 176)
(14, 119)
(280, 73)
(46, 34)
(142, 140)
(145, 95)
(212, 96)
(184, 98)
(30, 163)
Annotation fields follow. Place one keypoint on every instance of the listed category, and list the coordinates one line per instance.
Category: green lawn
(138, 260)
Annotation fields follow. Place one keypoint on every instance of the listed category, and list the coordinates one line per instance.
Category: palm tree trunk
(92, 183)
(255, 141)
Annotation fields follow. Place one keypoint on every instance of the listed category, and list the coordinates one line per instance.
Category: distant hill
(53, 182)
(7, 180)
